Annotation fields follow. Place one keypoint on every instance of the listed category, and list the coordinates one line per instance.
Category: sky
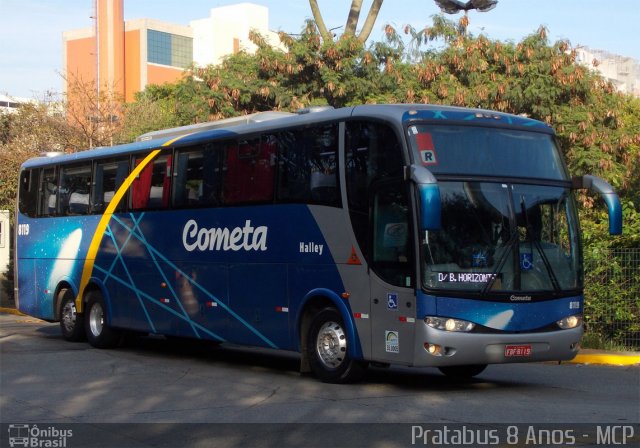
(31, 30)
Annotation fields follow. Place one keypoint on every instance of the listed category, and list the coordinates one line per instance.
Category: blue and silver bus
(413, 235)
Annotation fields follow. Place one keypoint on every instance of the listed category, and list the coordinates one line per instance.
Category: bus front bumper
(445, 348)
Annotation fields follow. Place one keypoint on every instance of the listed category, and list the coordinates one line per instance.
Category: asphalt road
(45, 380)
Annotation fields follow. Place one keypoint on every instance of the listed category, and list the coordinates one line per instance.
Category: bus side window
(293, 169)
(324, 166)
(250, 171)
(151, 189)
(48, 194)
(373, 153)
(107, 179)
(28, 194)
(197, 176)
(75, 182)
(307, 166)
(188, 178)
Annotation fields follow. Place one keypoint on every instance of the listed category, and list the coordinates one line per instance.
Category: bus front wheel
(71, 323)
(328, 346)
(99, 334)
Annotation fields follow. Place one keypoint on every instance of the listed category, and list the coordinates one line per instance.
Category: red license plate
(514, 351)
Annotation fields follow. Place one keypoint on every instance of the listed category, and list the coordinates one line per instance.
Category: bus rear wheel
(328, 348)
(99, 334)
(71, 323)
(461, 373)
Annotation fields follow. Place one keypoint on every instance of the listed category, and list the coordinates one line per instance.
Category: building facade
(622, 71)
(9, 104)
(125, 57)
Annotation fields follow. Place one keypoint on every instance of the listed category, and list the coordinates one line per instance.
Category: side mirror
(597, 185)
(429, 192)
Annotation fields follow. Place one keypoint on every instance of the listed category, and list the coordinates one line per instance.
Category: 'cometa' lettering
(225, 239)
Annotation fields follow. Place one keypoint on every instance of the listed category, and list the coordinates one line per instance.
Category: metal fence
(612, 296)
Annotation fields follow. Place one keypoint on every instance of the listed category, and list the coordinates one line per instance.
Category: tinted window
(151, 189)
(29, 183)
(391, 251)
(108, 177)
(48, 194)
(486, 151)
(75, 182)
(373, 154)
(198, 176)
(250, 171)
(308, 165)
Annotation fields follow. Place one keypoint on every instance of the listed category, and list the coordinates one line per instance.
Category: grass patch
(599, 342)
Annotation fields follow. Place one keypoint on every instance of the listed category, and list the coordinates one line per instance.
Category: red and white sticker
(426, 148)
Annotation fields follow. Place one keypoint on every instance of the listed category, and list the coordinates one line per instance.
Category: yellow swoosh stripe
(87, 270)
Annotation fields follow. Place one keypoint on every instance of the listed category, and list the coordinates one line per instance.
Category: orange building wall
(162, 74)
(132, 64)
(81, 61)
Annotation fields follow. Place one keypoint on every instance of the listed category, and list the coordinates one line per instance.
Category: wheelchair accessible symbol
(392, 301)
(526, 262)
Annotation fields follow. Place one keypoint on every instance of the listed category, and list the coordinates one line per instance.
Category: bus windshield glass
(499, 237)
(499, 232)
(483, 151)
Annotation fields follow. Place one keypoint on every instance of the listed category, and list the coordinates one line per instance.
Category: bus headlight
(449, 324)
(570, 322)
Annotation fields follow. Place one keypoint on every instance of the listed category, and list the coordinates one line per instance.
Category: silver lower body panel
(478, 348)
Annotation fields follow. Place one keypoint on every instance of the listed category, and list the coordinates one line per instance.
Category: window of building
(169, 49)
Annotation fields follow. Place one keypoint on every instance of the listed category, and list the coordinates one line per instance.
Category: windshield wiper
(511, 243)
(538, 246)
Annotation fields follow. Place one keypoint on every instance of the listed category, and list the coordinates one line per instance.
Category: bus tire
(71, 323)
(99, 334)
(327, 345)
(461, 373)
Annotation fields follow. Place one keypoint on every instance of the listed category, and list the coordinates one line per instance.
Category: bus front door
(392, 273)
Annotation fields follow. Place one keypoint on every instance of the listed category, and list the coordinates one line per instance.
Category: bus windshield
(499, 237)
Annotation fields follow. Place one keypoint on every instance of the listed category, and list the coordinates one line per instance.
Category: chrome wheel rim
(96, 319)
(331, 345)
(69, 316)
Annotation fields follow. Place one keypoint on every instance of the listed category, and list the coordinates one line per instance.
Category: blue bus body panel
(510, 317)
(236, 274)
(52, 252)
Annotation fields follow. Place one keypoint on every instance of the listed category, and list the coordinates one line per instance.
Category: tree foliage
(34, 129)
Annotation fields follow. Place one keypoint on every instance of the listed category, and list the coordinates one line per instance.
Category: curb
(11, 311)
(612, 359)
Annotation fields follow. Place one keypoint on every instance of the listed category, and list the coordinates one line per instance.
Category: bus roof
(265, 121)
